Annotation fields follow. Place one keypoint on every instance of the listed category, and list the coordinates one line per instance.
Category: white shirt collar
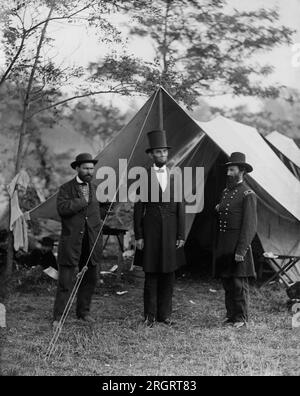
(163, 168)
(79, 180)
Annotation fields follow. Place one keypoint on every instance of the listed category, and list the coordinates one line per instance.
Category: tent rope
(52, 345)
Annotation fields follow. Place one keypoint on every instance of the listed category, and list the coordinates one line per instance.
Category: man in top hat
(159, 226)
(80, 215)
(237, 220)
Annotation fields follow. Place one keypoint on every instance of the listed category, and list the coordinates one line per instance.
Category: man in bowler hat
(80, 215)
(159, 226)
(237, 223)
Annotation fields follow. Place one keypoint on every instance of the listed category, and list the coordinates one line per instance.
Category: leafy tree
(98, 122)
(37, 158)
(35, 77)
(205, 48)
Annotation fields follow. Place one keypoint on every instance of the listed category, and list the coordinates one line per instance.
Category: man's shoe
(167, 322)
(227, 322)
(149, 323)
(88, 319)
(239, 325)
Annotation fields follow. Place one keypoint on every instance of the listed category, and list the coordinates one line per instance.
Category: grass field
(119, 344)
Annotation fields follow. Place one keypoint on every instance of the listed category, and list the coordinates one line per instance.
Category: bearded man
(159, 226)
(80, 214)
(237, 223)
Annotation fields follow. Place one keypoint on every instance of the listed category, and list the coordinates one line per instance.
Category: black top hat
(47, 241)
(83, 159)
(239, 159)
(157, 140)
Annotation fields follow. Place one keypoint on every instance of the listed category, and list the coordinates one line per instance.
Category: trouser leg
(241, 299)
(88, 283)
(64, 288)
(229, 298)
(86, 291)
(150, 296)
(164, 296)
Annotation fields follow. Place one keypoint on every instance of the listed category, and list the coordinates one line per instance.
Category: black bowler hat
(83, 159)
(157, 140)
(47, 241)
(239, 159)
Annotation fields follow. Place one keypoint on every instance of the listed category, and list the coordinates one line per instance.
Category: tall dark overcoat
(237, 224)
(77, 216)
(160, 224)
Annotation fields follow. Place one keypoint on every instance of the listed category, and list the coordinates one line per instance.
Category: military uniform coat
(160, 224)
(77, 217)
(237, 223)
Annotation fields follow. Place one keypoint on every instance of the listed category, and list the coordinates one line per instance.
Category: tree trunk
(23, 130)
(165, 40)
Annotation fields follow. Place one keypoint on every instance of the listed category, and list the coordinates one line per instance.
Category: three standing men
(80, 214)
(159, 226)
(237, 228)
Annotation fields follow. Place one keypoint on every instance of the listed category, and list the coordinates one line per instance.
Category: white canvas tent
(203, 144)
(287, 150)
(277, 189)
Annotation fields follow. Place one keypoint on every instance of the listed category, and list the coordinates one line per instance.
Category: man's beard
(161, 163)
(232, 180)
(86, 178)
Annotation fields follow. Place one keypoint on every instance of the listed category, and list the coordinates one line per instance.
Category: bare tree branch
(12, 63)
(62, 17)
(84, 95)
(27, 32)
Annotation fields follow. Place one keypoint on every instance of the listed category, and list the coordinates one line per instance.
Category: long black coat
(160, 224)
(76, 216)
(237, 224)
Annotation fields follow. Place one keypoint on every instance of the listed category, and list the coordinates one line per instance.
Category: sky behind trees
(78, 45)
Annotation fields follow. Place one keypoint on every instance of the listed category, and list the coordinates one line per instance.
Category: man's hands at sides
(140, 244)
(238, 258)
(180, 244)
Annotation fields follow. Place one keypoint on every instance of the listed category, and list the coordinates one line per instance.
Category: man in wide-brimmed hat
(80, 215)
(159, 226)
(237, 222)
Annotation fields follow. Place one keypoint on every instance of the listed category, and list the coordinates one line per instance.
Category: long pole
(161, 109)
